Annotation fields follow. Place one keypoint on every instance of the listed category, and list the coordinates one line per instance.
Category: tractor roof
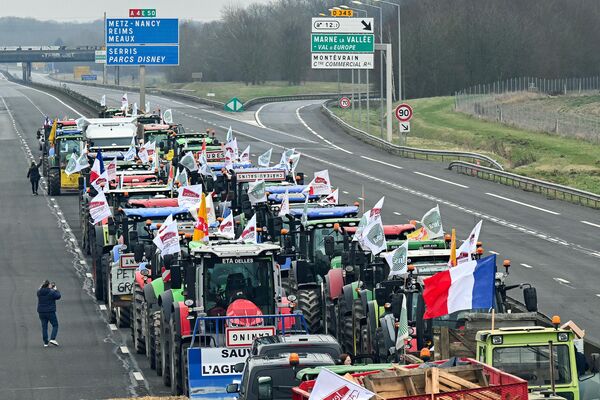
(162, 212)
(419, 244)
(318, 213)
(284, 187)
(229, 248)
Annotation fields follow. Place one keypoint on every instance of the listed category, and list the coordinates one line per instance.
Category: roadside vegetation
(436, 125)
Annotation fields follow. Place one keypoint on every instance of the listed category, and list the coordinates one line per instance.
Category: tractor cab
(66, 147)
(163, 136)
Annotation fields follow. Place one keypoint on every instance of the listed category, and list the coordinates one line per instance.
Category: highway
(551, 244)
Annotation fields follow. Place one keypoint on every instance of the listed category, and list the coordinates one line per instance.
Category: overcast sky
(88, 10)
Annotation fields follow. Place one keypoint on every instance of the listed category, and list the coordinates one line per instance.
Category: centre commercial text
(129, 55)
(338, 60)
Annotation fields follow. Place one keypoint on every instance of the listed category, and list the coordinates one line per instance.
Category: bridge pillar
(26, 67)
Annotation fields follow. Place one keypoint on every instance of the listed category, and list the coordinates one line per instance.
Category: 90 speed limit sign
(404, 112)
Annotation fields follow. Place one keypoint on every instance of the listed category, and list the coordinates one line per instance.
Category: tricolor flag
(249, 234)
(97, 167)
(227, 228)
(467, 287)
(331, 386)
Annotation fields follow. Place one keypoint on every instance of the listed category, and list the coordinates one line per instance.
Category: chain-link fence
(527, 103)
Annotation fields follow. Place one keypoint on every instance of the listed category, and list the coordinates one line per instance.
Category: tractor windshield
(157, 137)
(111, 142)
(319, 236)
(532, 363)
(68, 147)
(229, 279)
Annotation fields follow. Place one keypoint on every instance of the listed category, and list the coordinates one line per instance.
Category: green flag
(402, 326)
(432, 222)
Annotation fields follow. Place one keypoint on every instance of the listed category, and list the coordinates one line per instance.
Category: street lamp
(380, 57)
(399, 47)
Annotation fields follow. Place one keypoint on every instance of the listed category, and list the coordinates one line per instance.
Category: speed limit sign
(404, 112)
(344, 102)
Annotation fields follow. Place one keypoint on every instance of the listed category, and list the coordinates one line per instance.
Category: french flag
(468, 286)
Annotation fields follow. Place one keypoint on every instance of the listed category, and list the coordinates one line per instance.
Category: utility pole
(143, 88)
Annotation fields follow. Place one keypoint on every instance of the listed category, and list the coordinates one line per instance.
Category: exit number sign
(342, 13)
(142, 12)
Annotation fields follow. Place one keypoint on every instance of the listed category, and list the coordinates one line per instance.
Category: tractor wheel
(44, 166)
(165, 351)
(156, 329)
(358, 315)
(137, 335)
(309, 303)
(345, 327)
(54, 183)
(124, 317)
(175, 369)
(381, 351)
(185, 384)
(99, 290)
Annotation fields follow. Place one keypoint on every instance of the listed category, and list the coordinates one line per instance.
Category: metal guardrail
(314, 96)
(405, 151)
(549, 189)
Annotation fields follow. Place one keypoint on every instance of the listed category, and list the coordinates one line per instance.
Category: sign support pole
(104, 65)
(368, 105)
(142, 105)
(387, 47)
(359, 105)
(352, 97)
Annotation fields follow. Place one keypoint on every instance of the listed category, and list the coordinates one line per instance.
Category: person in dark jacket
(47, 295)
(34, 176)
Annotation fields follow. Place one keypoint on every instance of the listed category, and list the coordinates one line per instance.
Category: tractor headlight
(497, 339)
(188, 302)
(563, 337)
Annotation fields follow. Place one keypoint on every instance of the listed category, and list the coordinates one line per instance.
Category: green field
(435, 125)
(226, 90)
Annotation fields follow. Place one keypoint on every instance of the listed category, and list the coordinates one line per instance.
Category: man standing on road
(34, 176)
(47, 295)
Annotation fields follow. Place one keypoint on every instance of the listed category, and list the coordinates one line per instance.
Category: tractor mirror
(168, 260)
(112, 228)
(265, 388)
(329, 242)
(148, 251)
(595, 364)
(381, 296)
(233, 388)
(176, 280)
(239, 367)
(138, 253)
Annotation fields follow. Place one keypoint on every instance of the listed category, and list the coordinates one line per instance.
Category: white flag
(285, 205)
(147, 109)
(469, 246)
(103, 101)
(265, 159)
(182, 177)
(320, 185)
(134, 112)
(111, 170)
(331, 199)
(101, 183)
(130, 155)
(432, 222)
(98, 208)
(124, 102)
(245, 156)
(160, 230)
(168, 117)
(168, 238)
(189, 161)
(189, 196)
(402, 333)
(373, 237)
(256, 192)
(249, 233)
(150, 148)
(293, 161)
(232, 147)
(285, 156)
(71, 167)
(397, 260)
(227, 228)
(143, 155)
(364, 220)
(376, 210)
(330, 385)
(210, 210)
(229, 135)
(228, 160)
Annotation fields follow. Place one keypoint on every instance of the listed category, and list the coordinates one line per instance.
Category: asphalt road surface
(551, 244)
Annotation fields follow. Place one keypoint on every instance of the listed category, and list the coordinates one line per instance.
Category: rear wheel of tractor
(185, 385)
(309, 303)
(175, 362)
(124, 317)
(380, 346)
(345, 327)
(137, 335)
(99, 278)
(156, 329)
(165, 352)
(54, 183)
(358, 316)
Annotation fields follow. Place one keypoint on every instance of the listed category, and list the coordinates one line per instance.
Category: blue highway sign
(120, 31)
(142, 55)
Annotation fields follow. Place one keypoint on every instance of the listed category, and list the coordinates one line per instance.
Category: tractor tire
(124, 317)
(358, 314)
(309, 303)
(137, 334)
(165, 351)
(156, 346)
(345, 327)
(176, 368)
(379, 346)
(185, 384)
(44, 165)
(99, 290)
(54, 183)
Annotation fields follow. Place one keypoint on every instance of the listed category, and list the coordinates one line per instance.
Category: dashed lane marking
(113, 327)
(590, 224)
(493, 252)
(124, 349)
(523, 204)
(441, 180)
(397, 213)
(102, 307)
(562, 281)
(527, 266)
(381, 162)
(316, 133)
(138, 376)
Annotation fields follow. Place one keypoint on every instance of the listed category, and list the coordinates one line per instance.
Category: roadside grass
(557, 159)
(226, 90)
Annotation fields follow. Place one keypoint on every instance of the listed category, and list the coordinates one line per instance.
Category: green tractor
(67, 144)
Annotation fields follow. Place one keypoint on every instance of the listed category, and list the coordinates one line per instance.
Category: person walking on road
(47, 295)
(34, 176)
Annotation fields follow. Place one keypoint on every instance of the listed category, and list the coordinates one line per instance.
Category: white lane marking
(88, 274)
(257, 117)
(113, 327)
(54, 97)
(316, 133)
(441, 180)
(526, 265)
(382, 162)
(523, 204)
(563, 281)
(397, 213)
(177, 102)
(598, 295)
(345, 192)
(360, 198)
(590, 223)
(124, 349)
(493, 252)
(138, 376)
(102, 307)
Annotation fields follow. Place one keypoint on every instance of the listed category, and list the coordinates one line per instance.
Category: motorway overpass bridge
(31, 54)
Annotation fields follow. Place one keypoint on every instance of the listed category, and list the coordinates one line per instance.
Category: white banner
(98, 208)
(256, 192)
(397, 260)
(249, 233)
(111, 170)
(227, 228)
(189, 196)
(265, 159)
(320, 185)
(331, 386)
(432, 221)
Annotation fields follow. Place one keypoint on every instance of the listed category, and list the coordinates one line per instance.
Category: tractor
(67, 143)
